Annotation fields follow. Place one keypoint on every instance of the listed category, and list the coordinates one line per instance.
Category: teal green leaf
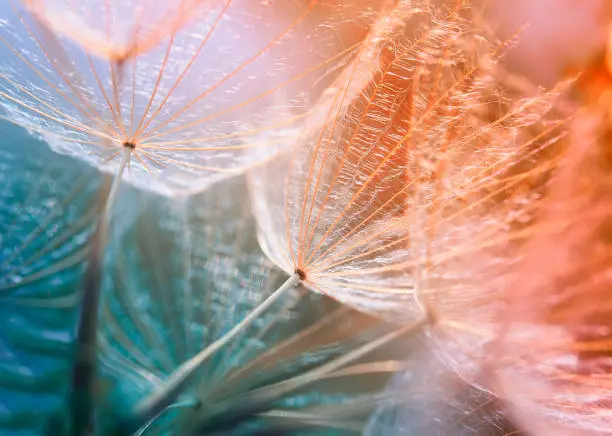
(47, 210)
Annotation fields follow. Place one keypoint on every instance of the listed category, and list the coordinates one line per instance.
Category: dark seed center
(301, 274)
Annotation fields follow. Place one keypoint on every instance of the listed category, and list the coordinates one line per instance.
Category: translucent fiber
(429, 399)
(193, 88)
(412, 195)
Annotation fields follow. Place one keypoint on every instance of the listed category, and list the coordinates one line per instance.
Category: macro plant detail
(271, 373)
(283, 366)
(343, 217)
(546, 358)
(419, 194)
(379, 206)
(180, 106)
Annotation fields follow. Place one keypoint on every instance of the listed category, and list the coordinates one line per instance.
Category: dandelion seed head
(417, 180)
(197, 85)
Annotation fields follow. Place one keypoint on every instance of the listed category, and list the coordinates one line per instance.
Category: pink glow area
(560, 35)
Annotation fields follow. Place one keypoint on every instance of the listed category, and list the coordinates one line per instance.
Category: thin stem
(127, 153)
(154, 404)
(184, 404)
(317, 373)
(83, 371)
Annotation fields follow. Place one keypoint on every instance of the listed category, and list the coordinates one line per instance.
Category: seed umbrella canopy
(415, 185)
(193, 101)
